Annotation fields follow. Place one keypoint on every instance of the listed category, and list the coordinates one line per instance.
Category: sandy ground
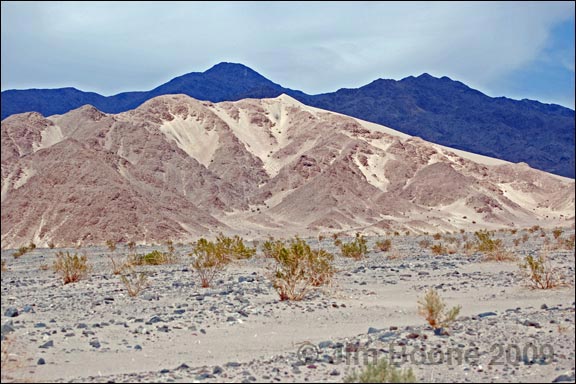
(238, 331)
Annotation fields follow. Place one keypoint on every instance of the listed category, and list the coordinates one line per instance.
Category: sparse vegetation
(381, 372)
(111, 244)
(4, 267)
(51, 245)
(298, 267)
(270, 246)
(439, 249)
(118, 267)
(233, 247)
(209, 260)
(153, 258)
(540, 274)
(383, 245)
(357, 249)
(433, 309)
(557, 232)
(21, 251)
(134, 282)
(425, 243)
(71, 268)
(437, 236)
(493, 250)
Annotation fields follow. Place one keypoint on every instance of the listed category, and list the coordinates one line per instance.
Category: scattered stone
(487, 314)
(28, 309)
(11, 312)
(372, 330)
(47, 344)
(566, 378)
(335, 373)
(7, 327)
(137, 347)
(41, 361)
(217, 370)
(95, 343)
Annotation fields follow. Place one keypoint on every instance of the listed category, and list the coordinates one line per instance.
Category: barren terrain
(238, 330)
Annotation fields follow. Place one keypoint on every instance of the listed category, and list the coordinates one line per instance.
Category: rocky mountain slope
(176, 168)
(439, 110)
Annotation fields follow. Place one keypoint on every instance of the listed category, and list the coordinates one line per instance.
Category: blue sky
(514, 49)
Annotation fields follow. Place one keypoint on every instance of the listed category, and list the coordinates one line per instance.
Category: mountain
(177, 168)
(440, 110)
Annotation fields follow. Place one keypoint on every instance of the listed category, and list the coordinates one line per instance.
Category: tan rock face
(178, 168)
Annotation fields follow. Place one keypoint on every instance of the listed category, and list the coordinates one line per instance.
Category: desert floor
(239, 331)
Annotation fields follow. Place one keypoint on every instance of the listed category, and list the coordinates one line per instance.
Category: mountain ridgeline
(439, 110)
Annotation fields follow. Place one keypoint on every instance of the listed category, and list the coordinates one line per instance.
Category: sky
(513, 49)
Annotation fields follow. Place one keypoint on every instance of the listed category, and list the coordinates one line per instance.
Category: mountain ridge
(440, 110)
(178, 168)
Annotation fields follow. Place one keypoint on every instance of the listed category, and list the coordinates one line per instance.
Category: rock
(372, 330)
(179, 311)
(164, 371)
(137, 347)
(40, 325)
(232, 364)
(182, 367)
(11, 312)
(154, 319)
(242, 313)
(530, 323)
(47, 345)
(441, 332)
(217, 370)
(203, 376)
(28, 309)
(41, 361)
(412, 336)
(386, 336)
(163, 328)
(231, 319)
(335, 373)
(566, 378)
(81, 326)
(95, 343)
(486, 314)
(325, 344)
(7, 327)
(543, 306)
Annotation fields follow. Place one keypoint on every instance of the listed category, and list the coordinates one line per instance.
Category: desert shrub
(209, 260)
(51, 245)
(170, 246)
(557, 232)
(111, 244)
(233, 247)
(21, 251)
(357, 249)
(383, 245)
(493, 250)
(534, 228)
(270, 246)
(425, 243)
(433, 309)
(525, 237)
(31, 246)
(439, 249)
(437, 236)
(381, 372)
(131, 246)
(134, 282)
(298, 267)
(4, 267)
(539, 273)
(44, 267)
(567, 243)
(153, 258)
(118, 266)
(71, 268)
(516, 242)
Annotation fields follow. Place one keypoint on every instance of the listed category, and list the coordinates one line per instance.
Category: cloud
(314, 46)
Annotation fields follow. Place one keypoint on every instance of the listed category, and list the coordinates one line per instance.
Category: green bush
(153, 258)
(298, 267)
(209, 260)
(433, 309)
(381, 372)
(71, 268)
(540, 274)
(383, 245)
(233, 247)
(357, 249)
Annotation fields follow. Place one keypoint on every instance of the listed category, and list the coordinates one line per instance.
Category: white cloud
(314, 46)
